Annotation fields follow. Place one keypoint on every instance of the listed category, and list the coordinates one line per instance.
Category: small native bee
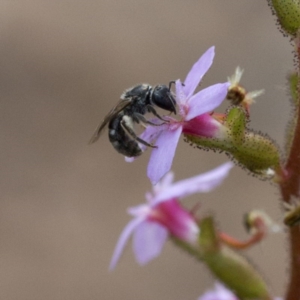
(134, 104)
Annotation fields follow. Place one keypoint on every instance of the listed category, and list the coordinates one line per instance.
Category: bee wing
(118, 108)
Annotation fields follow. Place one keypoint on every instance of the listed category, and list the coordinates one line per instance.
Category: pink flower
(194, 117)
(163, 215)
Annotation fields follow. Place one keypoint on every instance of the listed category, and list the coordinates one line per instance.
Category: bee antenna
(170, 84)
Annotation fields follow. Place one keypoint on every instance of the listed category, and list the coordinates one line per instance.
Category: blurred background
(63, 66)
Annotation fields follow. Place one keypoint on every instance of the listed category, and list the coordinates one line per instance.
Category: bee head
(163, 98)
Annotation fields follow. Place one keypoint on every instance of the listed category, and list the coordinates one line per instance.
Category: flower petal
(164, 183)
(149, 135)
(207, 100)
(180, 95)
(204, 125)
(202, 183)
(141, 210)
(219, 293)
(148, 241)
(162, 157)
(197, 71)
(125, 235)
(179, 222)
(130, 159)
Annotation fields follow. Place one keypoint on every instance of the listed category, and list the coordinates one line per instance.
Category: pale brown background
(63, 65)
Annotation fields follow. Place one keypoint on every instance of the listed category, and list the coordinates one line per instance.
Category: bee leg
(140, 118)
(152, 110)
(131, 132)
(145, 143)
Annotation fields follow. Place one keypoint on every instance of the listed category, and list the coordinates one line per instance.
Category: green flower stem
(228, 266)
(293, 87)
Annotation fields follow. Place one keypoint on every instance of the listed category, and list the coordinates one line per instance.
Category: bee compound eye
(162, 97)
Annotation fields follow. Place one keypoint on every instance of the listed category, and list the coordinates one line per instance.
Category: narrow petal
(125, 235)
(149, 135)
(207, 100)
(162, 157)
(130, 159)
(152, 132)
(180, 95)
(202, 183)
(197, 72)
(148, 241)
(141, 210)
(164, 183)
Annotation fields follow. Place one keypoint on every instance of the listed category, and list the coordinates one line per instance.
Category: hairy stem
(290, 190)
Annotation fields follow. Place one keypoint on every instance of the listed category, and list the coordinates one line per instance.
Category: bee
(133, 105)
